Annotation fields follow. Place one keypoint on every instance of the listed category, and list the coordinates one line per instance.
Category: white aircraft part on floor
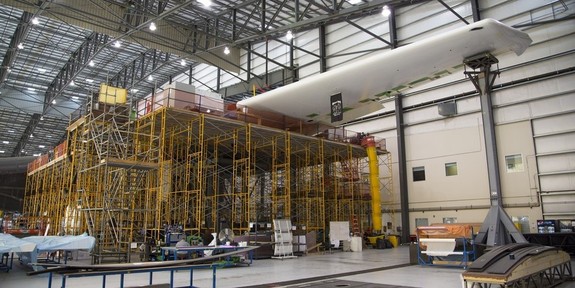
(55, 243)
(10, 244)
(366, 81)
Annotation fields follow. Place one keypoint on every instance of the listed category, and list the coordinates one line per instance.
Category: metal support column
(401, 160)
(497, 228)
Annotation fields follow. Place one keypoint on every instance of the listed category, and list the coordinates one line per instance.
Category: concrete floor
(351, 269)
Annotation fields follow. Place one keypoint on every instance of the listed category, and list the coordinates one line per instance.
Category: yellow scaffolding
(126, 180)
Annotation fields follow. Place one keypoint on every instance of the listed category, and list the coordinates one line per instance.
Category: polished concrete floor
(382, 268)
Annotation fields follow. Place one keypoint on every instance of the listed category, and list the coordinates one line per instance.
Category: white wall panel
(555, 143)
(374, 126)
(518, 12)
(422, 21)
(556, 163)
(561, 103)
(553, 124)
(561, 182)
(443, 143)
(469, 120)
(512, 139)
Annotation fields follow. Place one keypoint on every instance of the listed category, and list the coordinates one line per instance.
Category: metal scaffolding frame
(132, 178)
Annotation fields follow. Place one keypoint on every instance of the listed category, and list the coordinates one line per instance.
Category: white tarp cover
(53, 243)
(9, 243)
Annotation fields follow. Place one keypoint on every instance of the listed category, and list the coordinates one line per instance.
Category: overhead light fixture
(11, 131)
(35, 21)
(117, 44)
(289, 35)
(91, 63)
(226, 50)
(41, 70)
(153, 26)
(54, 101)
(385, 11)
(41, 146)
(41, 118)
(31, 135)
(89, 80)
(31, 89)
(183, 62)
(2, 151)
(353, 2)
(206, 3)
(72, 83)
(36, 154)
(20, 46)
(134, 90)
(5, 142)
(208, 111)
(150, 78)
(75, 97)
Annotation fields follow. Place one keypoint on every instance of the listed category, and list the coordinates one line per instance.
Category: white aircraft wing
(364, 82)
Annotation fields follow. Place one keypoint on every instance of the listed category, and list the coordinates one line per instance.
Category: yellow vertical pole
(369, 144)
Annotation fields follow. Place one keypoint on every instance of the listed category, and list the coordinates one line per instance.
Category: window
(419, 173)
(449, 220)
(514, 163)
(421, 222)
(451, 169)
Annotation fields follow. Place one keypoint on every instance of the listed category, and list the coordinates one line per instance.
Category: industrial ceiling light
(153, 26)
(6, 142)
(150, 78)
(54, 101)
(117, 44)
(72, 83)
(206, 3)
(20, 46)
(183, 62)
(75, 97)
(226, 50)
(89, 80)
(289, 35)
(134, 90)
(41, 118)
(353, 2)
(41, 70)
(385, 11)
(41, 146)
(2, 151)
(35, 21)
(91, 63)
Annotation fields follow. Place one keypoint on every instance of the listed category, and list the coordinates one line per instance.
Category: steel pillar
(497, 228)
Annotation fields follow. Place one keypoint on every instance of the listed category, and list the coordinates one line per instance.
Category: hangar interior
(129, 164)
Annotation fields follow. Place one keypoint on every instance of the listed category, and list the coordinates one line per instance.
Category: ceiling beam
(108, 17)
(34, 120)
(453, 11)
(18, 37)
